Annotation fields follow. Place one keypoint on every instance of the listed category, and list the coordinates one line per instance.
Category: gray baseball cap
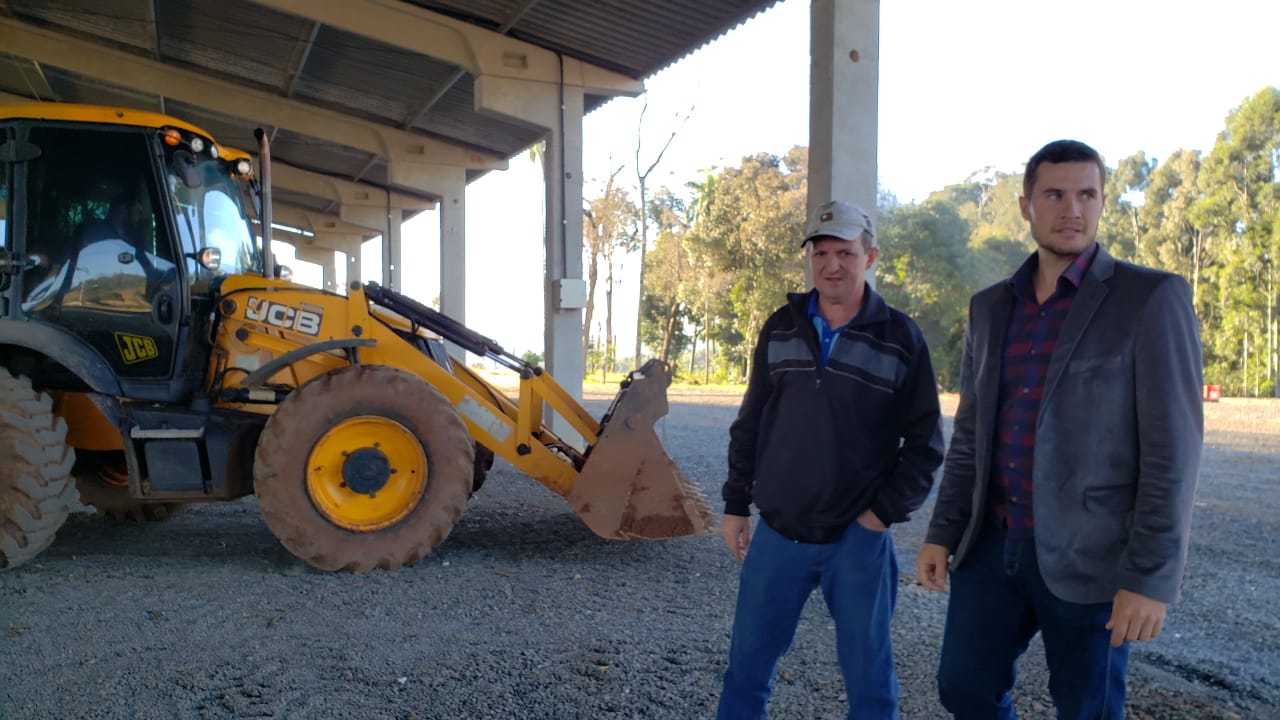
(839, 219)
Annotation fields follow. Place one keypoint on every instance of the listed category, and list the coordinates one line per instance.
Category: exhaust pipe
(264, 181)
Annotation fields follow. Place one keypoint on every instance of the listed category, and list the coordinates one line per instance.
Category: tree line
(725, 250)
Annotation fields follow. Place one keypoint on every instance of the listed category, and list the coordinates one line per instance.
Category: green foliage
(725, 256)
(532, 357)
(1120, 229)
(664, 301)
(927, 270)
(610, 227)
(1239, 213)
(751, 227)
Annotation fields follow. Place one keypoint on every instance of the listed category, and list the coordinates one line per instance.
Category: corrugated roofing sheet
(292, 56)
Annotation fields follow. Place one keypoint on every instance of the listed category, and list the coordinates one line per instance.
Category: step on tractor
(155, 356)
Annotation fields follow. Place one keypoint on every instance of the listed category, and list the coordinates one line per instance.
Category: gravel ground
(523, 613)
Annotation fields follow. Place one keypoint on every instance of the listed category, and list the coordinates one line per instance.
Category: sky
(963, 87)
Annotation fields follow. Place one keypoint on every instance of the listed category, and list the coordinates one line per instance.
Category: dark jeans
(998, 603)
(858, 575)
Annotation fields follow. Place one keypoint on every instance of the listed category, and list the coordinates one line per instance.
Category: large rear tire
(363, 467)
(103, 480)
(36, 488)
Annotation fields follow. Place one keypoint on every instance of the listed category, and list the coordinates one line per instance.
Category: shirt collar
(873, 307)
(1023, 281)
(820, 322)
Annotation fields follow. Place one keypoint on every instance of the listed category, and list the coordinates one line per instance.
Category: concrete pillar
(565, 291)
(321, 249)
(392, 253)
(354, 271)
(323, 257)
(453, 258)
(844, 37)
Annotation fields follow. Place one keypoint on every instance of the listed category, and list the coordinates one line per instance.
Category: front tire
(363, 467)
(36, 487)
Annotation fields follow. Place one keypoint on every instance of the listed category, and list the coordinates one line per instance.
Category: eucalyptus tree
(642, 177)
(927, 270)
(1240, 180)
(1120, 228)
(1173, 239)
(608, 228)
(998, 236)
(664, 306)
(753, 226)
(707, 290)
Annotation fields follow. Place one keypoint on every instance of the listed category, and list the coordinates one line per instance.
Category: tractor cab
(118, 225)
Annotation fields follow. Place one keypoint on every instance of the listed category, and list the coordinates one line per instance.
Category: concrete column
(354, 271)
(392, 253)
(565, 291)
(321, 248)
(453, 258)
(844, 71)
(323, 257)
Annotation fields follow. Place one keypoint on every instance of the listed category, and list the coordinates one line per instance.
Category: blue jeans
(858, 575)
(998, 603)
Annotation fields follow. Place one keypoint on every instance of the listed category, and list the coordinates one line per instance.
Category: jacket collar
(873, 310)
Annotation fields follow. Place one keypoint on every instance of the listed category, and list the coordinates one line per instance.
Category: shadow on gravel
(229, 534)
(521, 533)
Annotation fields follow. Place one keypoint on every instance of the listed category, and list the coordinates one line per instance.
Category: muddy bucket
(629, 488)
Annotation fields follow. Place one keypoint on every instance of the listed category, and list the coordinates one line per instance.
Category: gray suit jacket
(1118, 437)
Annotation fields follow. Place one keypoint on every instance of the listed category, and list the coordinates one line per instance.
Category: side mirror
(185, 163)
(210, 258)
(284, 272)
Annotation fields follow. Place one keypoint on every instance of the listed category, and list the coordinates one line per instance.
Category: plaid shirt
(1028, 345)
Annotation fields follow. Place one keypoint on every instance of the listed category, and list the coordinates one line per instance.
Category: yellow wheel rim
(366, 473)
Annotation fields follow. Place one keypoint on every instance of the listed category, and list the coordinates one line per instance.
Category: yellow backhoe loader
(153, 357)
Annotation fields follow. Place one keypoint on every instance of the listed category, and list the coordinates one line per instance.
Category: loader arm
(627, 486)
(622, 483)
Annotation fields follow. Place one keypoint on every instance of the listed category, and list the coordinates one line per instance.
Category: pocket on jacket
(1088, 364)
(1110, 499)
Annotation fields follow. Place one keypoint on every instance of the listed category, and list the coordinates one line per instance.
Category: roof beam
(302, 51)
(339, 191)
(482, 52)
(415, 152)
(38, 85)
(346, 244)
(318, 223)
(155, 29)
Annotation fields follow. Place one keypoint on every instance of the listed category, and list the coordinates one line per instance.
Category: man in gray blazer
(1065, 502)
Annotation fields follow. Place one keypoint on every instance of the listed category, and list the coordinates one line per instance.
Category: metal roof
(160, 55)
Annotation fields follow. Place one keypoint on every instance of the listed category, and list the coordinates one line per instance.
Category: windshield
(212, 206)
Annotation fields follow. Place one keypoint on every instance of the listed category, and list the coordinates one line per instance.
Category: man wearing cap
(837, 438)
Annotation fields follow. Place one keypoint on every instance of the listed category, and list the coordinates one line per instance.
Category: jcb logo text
(306, 322)
(136, 348)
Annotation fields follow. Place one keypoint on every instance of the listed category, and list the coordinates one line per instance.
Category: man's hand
(1134, 617)
(737, 534)
(931, 566)
(870, 521)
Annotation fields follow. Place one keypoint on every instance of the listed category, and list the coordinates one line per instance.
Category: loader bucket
(629, 488)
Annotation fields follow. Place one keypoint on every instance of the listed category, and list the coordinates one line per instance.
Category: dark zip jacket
(813, 446)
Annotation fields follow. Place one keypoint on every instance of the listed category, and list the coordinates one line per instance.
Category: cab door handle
(164, 309)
